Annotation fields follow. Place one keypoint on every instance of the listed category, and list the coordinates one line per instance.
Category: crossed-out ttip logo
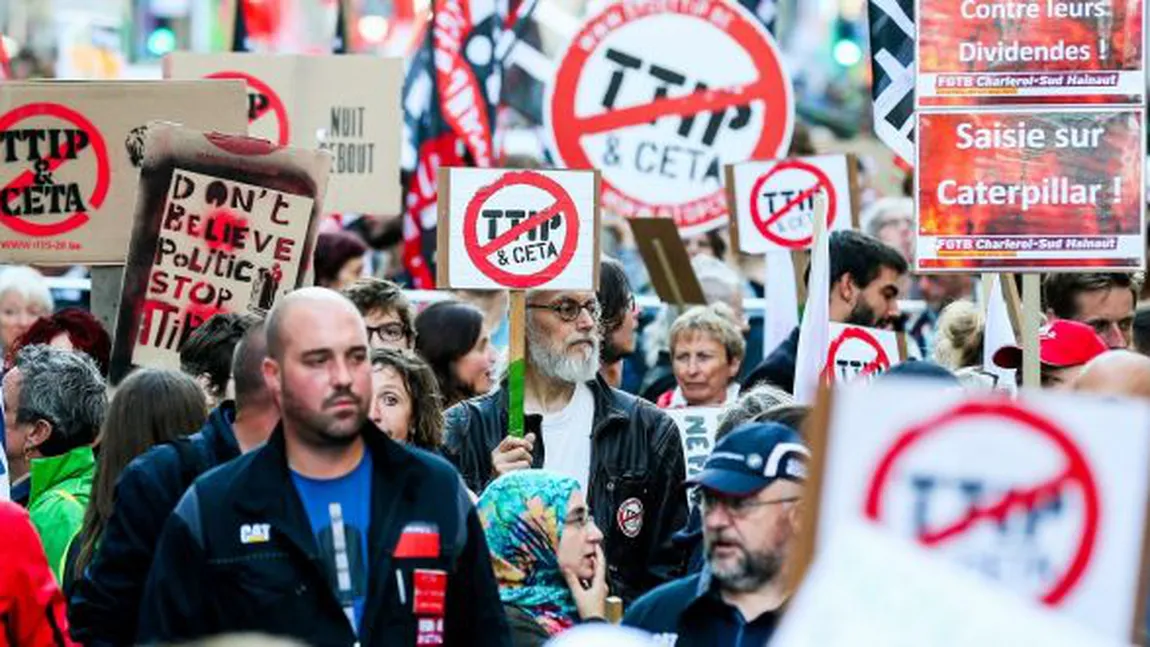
(998, 488)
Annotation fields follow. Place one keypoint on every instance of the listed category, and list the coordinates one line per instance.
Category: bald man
(331, 532)
(1117, 372)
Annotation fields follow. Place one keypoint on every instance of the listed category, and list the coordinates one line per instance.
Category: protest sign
(69, 156)
(858, 352)
(222, 224)
(878, 589)
(512, 229)
(974, 52)
(1025, 492)
(774, 202)
(668, 264)
(660, 119)
(1037, 190)
(697, 426)
(347, 105)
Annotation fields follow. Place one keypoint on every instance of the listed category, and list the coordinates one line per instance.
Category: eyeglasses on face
(738, 507)
(392, 331)
(569, 309)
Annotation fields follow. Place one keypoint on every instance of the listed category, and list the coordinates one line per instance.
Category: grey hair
(718, 280)
(750, 405)
(28, 283)
(64, 388)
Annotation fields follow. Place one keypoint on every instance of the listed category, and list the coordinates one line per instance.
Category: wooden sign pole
(516, 363)
(1031, 318)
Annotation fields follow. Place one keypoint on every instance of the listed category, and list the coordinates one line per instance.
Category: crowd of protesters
(340, 472)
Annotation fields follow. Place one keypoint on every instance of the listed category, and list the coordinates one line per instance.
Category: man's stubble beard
(751, 571)
(318, 426)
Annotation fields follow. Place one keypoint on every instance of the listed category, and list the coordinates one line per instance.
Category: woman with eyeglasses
(546, 553)
(454, 340)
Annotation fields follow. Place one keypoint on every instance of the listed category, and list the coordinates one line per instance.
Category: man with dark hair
(865, 275)
(1105, 302)
(105, 604)
(619, 320)
(206, 354)
(386, 312)
(54, 402)
(331, 532)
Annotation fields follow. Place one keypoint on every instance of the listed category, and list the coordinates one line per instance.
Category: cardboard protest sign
(1027, 51)
(222, 224)
(697, 426)
(660, 119)
(882, 590)
(501, 229)
(1026, 492)
(68, 158)
(858, 352)
(347, 105)
(774, 202)
(1007, 190)
(667, 261)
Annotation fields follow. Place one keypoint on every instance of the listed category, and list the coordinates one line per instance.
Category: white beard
(558, 364)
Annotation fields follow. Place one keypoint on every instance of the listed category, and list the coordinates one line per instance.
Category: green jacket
(60, 489)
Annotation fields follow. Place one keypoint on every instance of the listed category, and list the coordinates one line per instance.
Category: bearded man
(623, 450)
(749, 493)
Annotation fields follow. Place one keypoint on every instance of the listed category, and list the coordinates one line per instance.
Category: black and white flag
(892, 65)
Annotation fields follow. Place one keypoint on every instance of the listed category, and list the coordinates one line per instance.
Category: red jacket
(32, 608)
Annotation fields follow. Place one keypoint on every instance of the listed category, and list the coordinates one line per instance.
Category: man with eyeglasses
(386, 313)
(749, 492)
(1105, 302)
(624, 452)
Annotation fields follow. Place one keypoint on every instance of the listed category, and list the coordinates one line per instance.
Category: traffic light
(161, 39)
(846, 50)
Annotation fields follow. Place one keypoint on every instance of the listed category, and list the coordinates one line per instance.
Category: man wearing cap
(1064, 347)
(749, 491)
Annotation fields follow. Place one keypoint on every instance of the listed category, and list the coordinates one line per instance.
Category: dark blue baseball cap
(753, 456)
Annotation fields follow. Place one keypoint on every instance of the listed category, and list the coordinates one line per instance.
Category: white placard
(519, 229)
(697, 427)
(877, 589)
(1045, 495)
(775, 200)
(858, 352)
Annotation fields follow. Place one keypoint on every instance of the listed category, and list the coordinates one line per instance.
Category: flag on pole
(450, 96)
(892, 36)
(815, 330)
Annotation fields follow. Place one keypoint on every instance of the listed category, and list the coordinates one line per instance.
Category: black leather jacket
(637, 466)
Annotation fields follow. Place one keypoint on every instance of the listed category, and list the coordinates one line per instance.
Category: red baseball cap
(1061, 343)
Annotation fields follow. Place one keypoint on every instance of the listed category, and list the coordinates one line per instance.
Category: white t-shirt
(567, 437)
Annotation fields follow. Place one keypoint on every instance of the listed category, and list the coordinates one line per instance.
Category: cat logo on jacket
(255, 533)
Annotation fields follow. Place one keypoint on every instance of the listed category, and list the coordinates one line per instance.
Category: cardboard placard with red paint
(520, 230)
(859, 353)
(775, 201)
(68, 158)
(977, 52)
(347, 105)
(1026, 492)
(223, 225)
(660, 119)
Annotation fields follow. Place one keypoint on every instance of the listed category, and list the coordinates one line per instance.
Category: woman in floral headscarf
(546, 552)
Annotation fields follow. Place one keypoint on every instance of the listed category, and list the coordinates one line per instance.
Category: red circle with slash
(480, 253)
(764, 221)
(1076, 473)
(771, 88)
(881, 359)
(26, 178)
(275, 104)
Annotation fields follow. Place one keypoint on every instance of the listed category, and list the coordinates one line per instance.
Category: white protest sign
(510, 229)
(882, 590)
(775, 200)
(697, 427)
(660, 96)
(1046, 495)
(858, 352)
